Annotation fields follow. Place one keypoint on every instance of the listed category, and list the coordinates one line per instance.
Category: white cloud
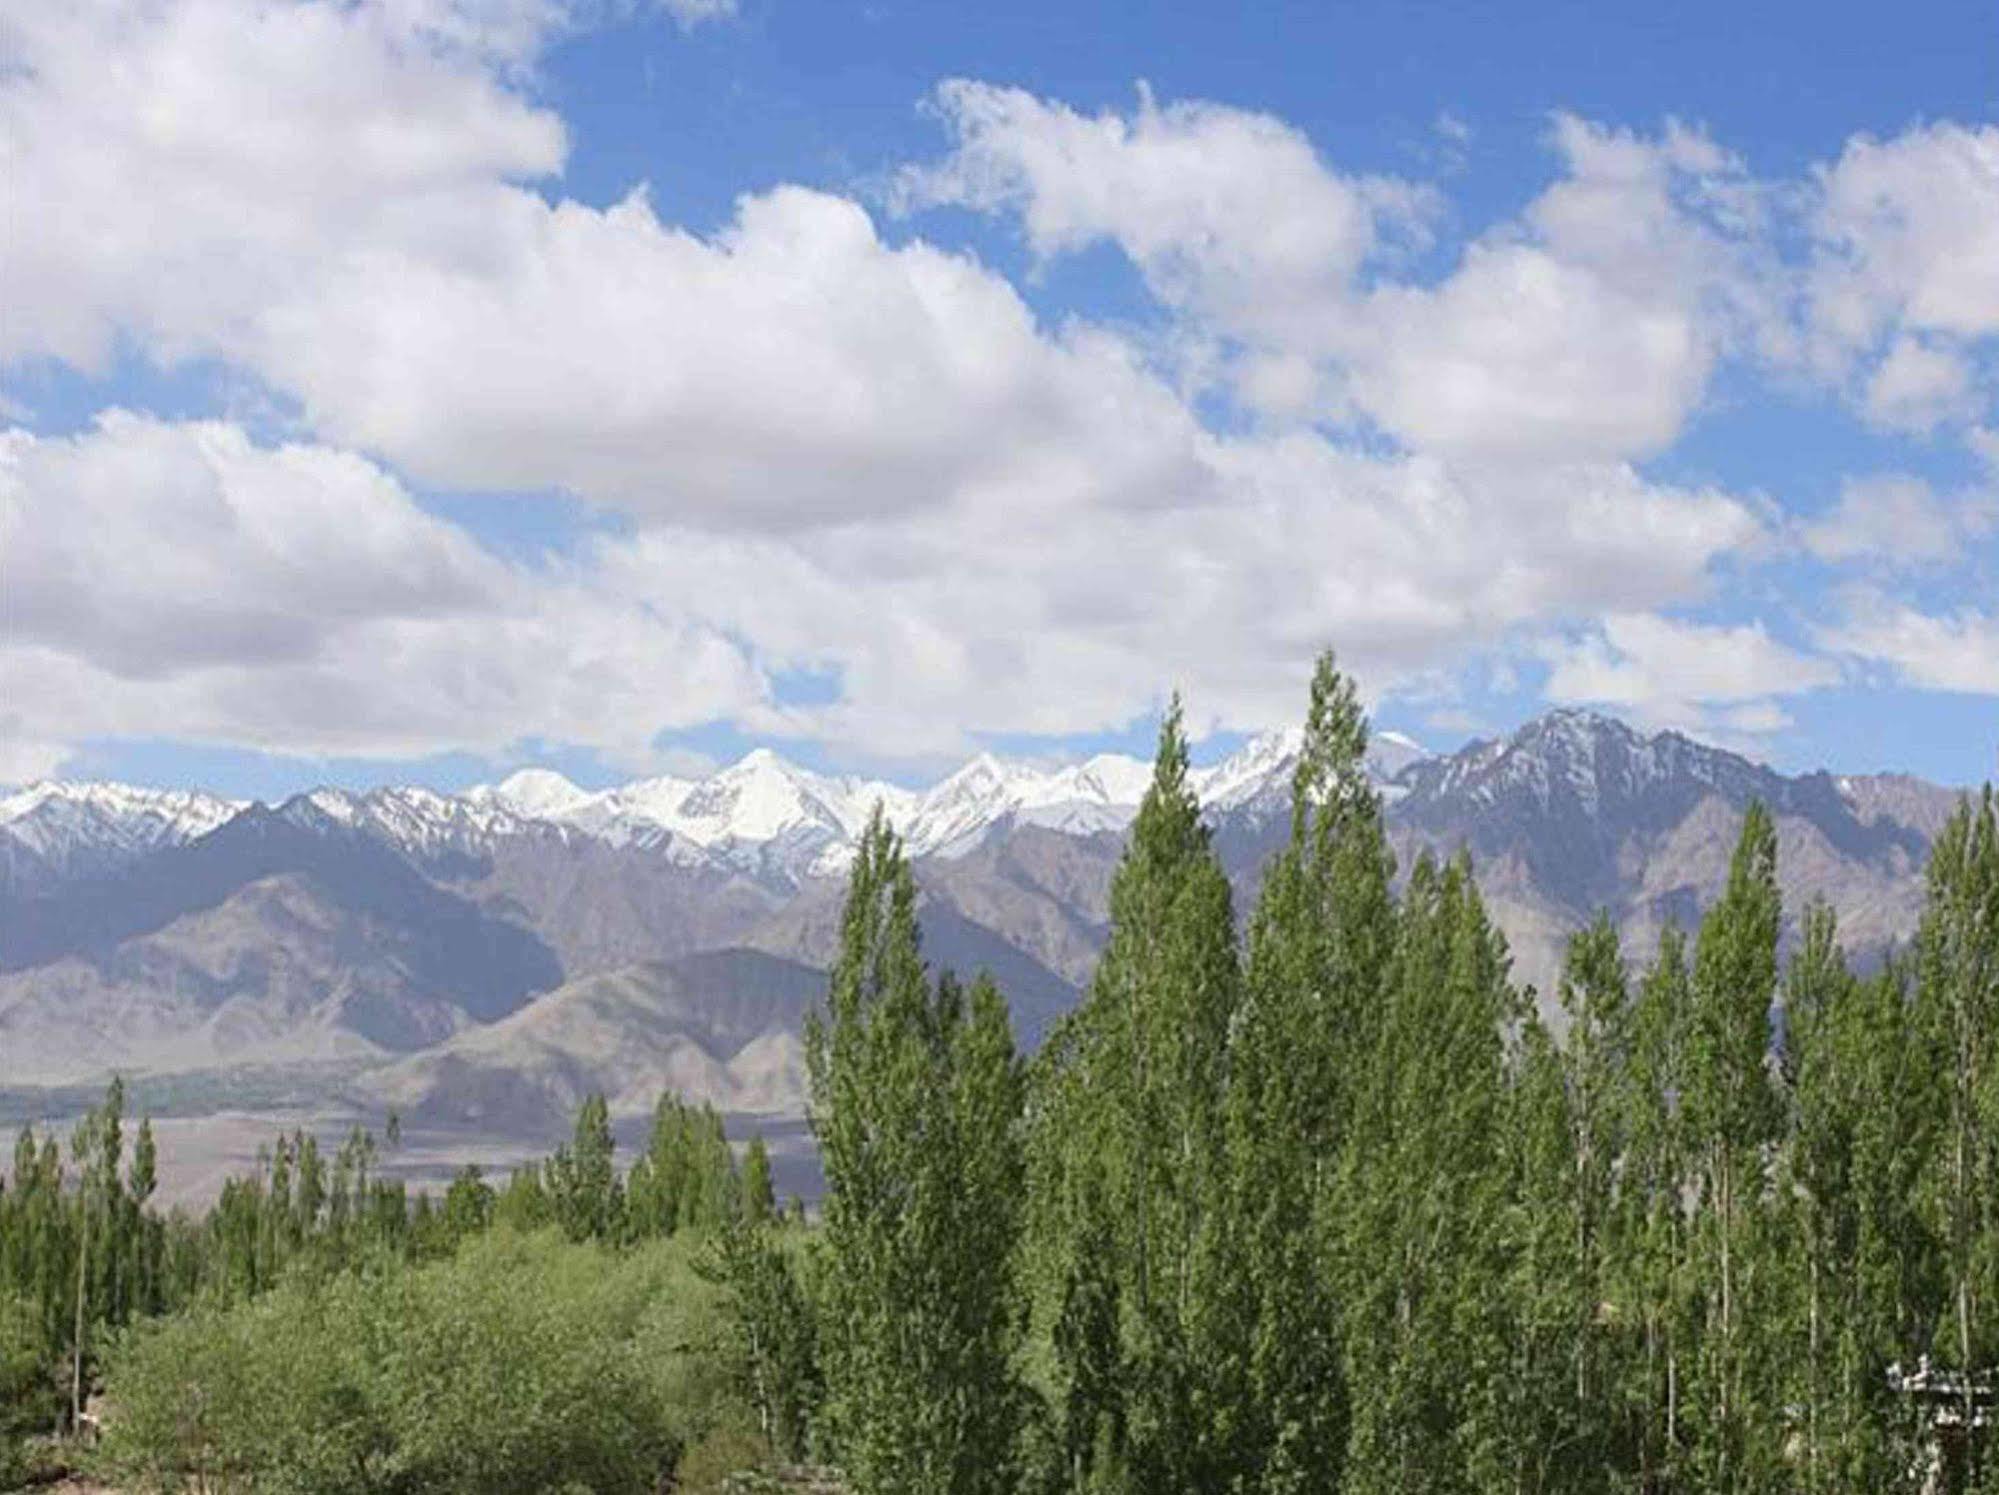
(1229, 214)
(1909, 232)
(840, 453)
(186, 166)
(1590, 328)
(1721, 680)
(1901, 293)
(973, 621)
(1956, 651)
(690, 13)
(1895, 518)
(1586, 330)
(1984, 444)
(181, 580)
(793, 371)
(177, 580)
(1917, 386)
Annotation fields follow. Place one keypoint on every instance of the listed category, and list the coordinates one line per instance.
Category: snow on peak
(975, 797)
(64, 821)
(1262, 763)
(535, 793)
(763, 813)
(757, 798)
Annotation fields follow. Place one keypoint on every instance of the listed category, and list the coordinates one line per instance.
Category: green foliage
(916, 1102)
(686, 1179)
(1319, 943)
(774, 1342)
(1957, 962)
(583, 1184)
(1130, 1179)
(29, 1399)
(759, 1192)
(522, 1363)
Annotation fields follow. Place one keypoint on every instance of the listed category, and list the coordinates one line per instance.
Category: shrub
(522, 1363)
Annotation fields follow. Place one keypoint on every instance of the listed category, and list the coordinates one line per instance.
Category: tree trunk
(76, 1362)
(1812, 1424)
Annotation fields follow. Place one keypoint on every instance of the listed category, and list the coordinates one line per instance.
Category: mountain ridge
(385, 925)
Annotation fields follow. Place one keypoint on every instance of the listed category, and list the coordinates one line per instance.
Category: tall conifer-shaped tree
(1559, 1442)
(1732, 1115)
(1319, 945)
(1596, 998)
(916, 1103)
(589, 1199)
(1826, 1071)
(1423, 1207)
(1655, 1271)
(1129, 1174)
(1958, 972)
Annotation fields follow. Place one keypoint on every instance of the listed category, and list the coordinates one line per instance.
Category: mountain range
(483, 959)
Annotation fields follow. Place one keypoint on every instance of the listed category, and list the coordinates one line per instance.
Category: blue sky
(411, 389)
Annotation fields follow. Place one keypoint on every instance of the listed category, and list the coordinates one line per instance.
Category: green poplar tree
(1831, 1021)
(1596, 998)
(584, 1180)
(1129, 1179)
(1957, 955)
(759, 1193)
(1732, 1115)
(1559, 1439)
(916, 1106)
(1319, 943)
(1656, 1269)
(1424, 1206)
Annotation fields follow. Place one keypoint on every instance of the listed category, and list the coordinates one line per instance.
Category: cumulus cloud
(1228, 213)
(1917, 385)
(295, 598)
(972, 621)
(1898, 519)
(792, 371)
(1717, 679)
(1909, 232)
(1950, 651)
(1591, 327)
(186, 166)
(1901, 292)
(836, 452)
(178, 580)
(1587, 329)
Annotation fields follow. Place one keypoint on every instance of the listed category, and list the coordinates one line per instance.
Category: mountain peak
(760, 760)
(1573, 723)
(538, 793)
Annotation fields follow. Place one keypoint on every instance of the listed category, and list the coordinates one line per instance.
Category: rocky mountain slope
(719, 1026)
(484, 955)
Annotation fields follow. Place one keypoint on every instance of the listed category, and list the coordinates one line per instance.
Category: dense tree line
(85, 1257)
(1321, 1202)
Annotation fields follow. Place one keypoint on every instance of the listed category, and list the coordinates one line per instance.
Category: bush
(29, 1397)
(522, 1363)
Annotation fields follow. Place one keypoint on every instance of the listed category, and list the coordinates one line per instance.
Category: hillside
(497, 953)
(719, 1027)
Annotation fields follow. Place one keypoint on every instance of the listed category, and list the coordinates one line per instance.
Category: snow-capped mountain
(1583, 757)
(763, 811)
(533, 793)
(81, 829)
(762, 816)
(420, 822)
(148, 929)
